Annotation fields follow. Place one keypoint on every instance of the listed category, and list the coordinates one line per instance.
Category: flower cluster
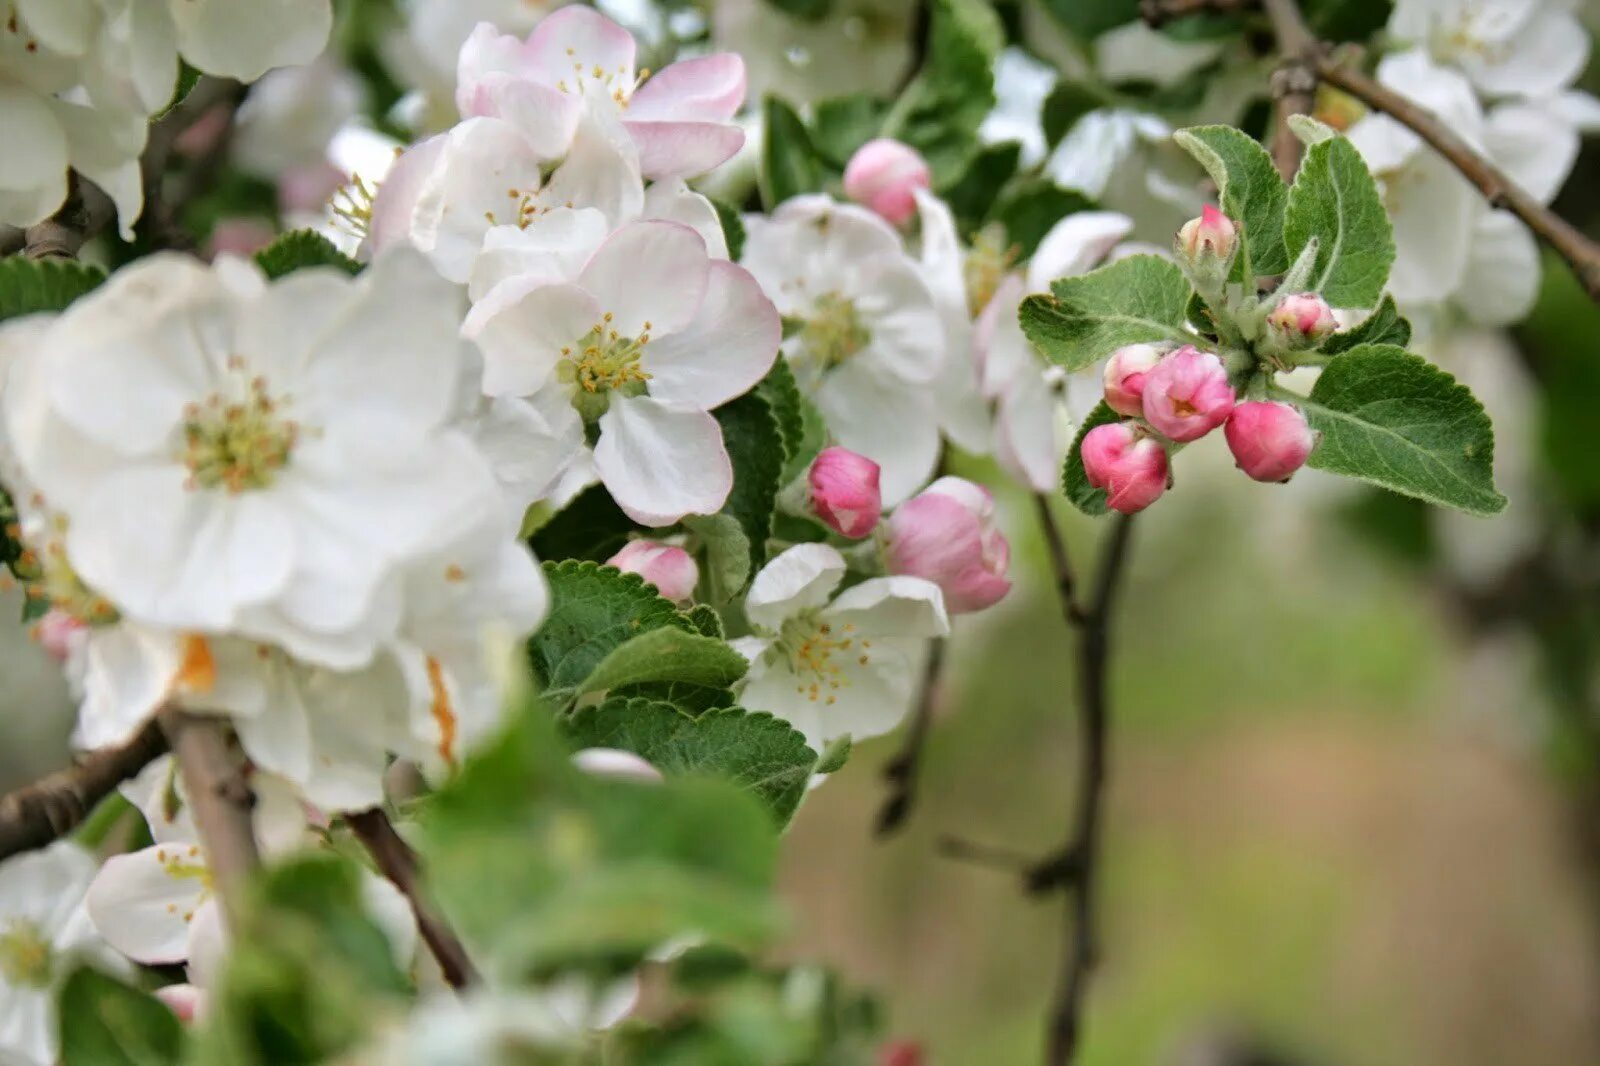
(81, 79)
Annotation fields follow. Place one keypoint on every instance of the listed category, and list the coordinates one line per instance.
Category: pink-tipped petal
(706, 89)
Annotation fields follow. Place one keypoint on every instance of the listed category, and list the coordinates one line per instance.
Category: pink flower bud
(1124, 377)
(1129, 465)
(616, 763)
(883, 175)
(309, 187)
(1269, 440)
(947, 534)
(1187, 395)
(844, 492)
(1211, 236)
(240, 236)
(59, 633)
(901, 1053)
(1302, 318)
(186, 1001)
(670, 569)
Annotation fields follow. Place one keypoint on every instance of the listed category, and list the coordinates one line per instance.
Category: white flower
(44, 936)
(833, 666)
(1505, 47)
(292, 115)
(237, 457)
(244, 39)
(1021, 86)
(870, 338)
(861, 46)
(963, 412)
(645, 334)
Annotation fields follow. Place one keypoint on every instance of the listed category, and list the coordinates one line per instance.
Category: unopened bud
(947, 534)
(186, 1001)
(1187, 395)
(616, 763)
(1302, 319)
(1269, 440)
(669, 568)
(1130, 466)
(1124, 377)
(1211, 237)
(844, 492)
(884, 175)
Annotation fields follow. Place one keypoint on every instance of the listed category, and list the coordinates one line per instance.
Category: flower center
(817, 652)
(834, 332)
(986, 265)
(603, 361)
(351, 206)
(25, 954)
(182, 863)
(49, 581)
(237, 445)
(593, 78)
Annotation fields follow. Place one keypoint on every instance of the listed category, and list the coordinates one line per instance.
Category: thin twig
(220, 797)
(399, 864)
(902, 771)
(34, 816)
(1074, 867)
(85, 212)
(1060, 564)
(1294, 83)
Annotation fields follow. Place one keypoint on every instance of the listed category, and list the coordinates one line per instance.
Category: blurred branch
(1294, 83)
(220, 797)
(164, 207)
(399, 864)
(1060, 564)
(85, 213)
(901, 772)
(38, 814)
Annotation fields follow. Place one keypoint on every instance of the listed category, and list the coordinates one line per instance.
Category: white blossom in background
(1525, 48)
(835, 665)
(44, 935)
(862, 46)
(868, 341)
(1021, 86)
(645, 334)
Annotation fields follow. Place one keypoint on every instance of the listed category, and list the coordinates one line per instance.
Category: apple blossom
(645, 337)
(883, 175)
(835, 666)
(844, 492)
(947, 534)
(1187, 394)
(1209, 242)
(1130, 466)
(963, 410)
(1301, 320)
(44, 936)
(1269, 440)
(1526, 48)
(1124, 376)
(666, 566)
(869, 341)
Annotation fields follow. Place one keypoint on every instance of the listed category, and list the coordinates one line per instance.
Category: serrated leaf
(727, 554)
(666, 654)
(1074, 479)
(732, 227)
(1393, 419)
(1335, 200)
(1384, 326)
(593, 611)
(106, 1023)
(1310, 130)
(705, 620)
(782, 393)
(1086, 318)
(1249, 188)
(591, 526)
(1030, 209)
(303, 248)
(835, 755)
(759, 753)
(790, 165)
(33, 286)
(750, 431)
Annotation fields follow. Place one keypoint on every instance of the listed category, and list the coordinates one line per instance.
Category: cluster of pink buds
(1173, 398)
(1301, 320)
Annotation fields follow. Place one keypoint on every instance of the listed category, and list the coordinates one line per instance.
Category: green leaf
(1335, 200)
(790, 165)
(1086, 318)
(1074, 479)
(940, 111)
(1248, 187)
(667, 654)
(188, 77)
(1391, 418)
(1090, 18)
(757, 752)
(727, 554)
(593, 611)
(782, 393)
(1030, 209)
(31, 286)
(843, 124)
(972, 198)
(834, 756)
(302, 248)
(1384, 326)
(752, 434)
(1069, 101)
(592, 526)
(705, 620)
(732, 227)
(103, 1022)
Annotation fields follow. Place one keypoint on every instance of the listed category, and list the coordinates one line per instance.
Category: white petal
(468, 190)
(1433, 209)
(36, 147)
(551, 248)
(661, 462)
(1076, 245)
(674, 201)
(800, 578)
(1534, 146)
(1545, 56)
(731, 344)
(144, 902)
(244, 38)
(891, 424)
(906, 331)
(895, 606)
(1502, 278)
(129, 672)
(1026, 439)
(525, 329)
(650, 276)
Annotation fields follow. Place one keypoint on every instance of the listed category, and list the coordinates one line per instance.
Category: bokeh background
(1354, 812)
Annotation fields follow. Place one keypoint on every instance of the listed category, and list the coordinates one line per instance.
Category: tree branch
(34, 816)
(1060, 564)
(85, 212)
(399, 864)
(220, 798)
(901, 772)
